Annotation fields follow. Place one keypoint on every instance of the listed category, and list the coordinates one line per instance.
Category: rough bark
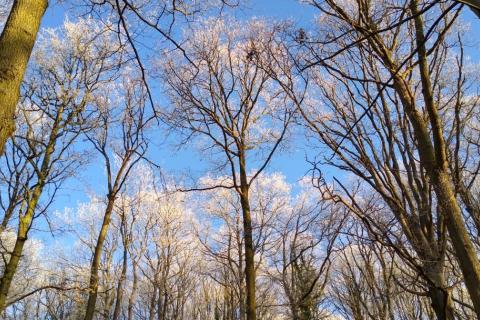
(440, 296)
(16, 44)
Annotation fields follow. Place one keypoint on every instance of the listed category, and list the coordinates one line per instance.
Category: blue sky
(178, 162)
(291, 163)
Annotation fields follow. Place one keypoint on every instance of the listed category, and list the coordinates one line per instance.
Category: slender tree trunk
(93, 285)
(16, 44)
(11, 267)
(153, 299)
(241, 297)
(131, 299)
(25, 221)
(248, 234)
(121, 281)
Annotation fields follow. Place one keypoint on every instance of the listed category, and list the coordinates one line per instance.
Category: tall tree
(378, 83)
(221, 95)
(119, 138)
(54, 112)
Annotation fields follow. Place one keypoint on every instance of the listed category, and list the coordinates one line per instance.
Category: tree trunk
(442, 303)
(25, 221)
(131, 299)
(153, 299)
(462, 244)
(11, 267)
(121, 281)
(241, 298)
(16, 44)
(440, 297)
(93, 285)
(434, 157)
(249, 248)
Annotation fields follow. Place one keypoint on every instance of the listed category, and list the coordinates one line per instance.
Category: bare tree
(119, 139)
(385, 132)
(369, 280)
(55, 110)
(223, 239)
(306, 234)
(225, 98)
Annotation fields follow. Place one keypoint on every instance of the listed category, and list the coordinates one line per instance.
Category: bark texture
(16, 44)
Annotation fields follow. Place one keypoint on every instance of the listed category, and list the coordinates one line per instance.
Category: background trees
(222, 96)
(118, 136)
(380, 97)
(55, 111)
(387, 125)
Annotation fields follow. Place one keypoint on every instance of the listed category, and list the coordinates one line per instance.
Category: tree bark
(131, 299)
(16, 44)
(437, 168)
(11, 267)
(93, 285)
(440, 297)
(248, 234)
(151, 315)
(121, 281)
(25, 221)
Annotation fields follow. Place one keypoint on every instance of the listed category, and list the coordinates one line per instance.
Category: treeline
(384, 225)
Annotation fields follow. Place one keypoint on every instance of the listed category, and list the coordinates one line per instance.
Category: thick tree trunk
(440, 297)
(442, 304)
(16, 44)
(248, 235)
(93, 285)
(462, 244)
(434, 157)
